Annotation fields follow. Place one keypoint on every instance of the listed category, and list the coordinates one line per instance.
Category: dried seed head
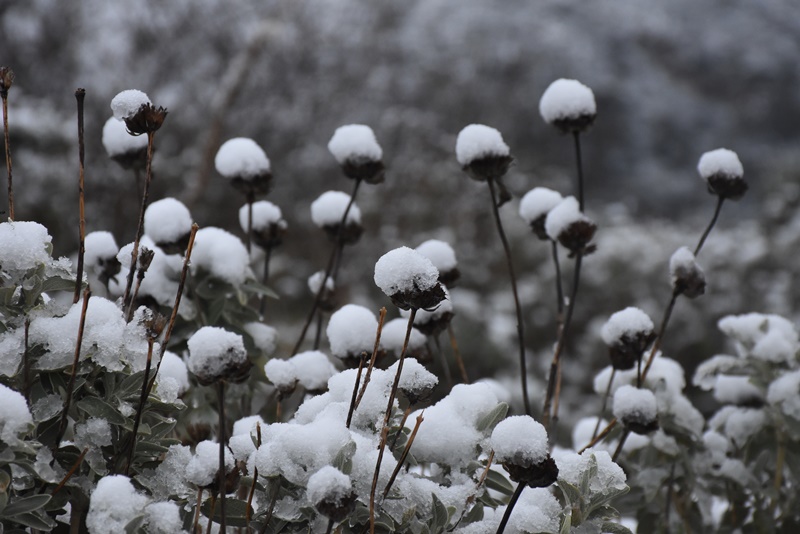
(357, 150)
(443, 258)
(636, 409)
(409, 279)
(520, 444)
(6, 80)
(482, 153)
(566, 224)
(327, 212)
(627, 334)
(216, 354)
(154, 324)
(145, 259)
(434, 322)
(269, 227)
(147, 120)
(724, 174)
(687, 276)
(246, 165)
(535, 206)
(332, 494)
(568, 105)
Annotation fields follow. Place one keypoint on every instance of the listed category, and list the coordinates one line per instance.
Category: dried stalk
(255, 479)
(80, 94)
(4, 96)
(355, 389)
(457, 353)
(71, 471)
(142, 399)
(404, 455)
(62, 426)
(381, 318)
(221, 406)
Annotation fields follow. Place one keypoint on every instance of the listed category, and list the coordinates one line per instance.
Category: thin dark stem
(211, 515)
(126, 300)
(71, 471)
(26, 365)
(80, 94)
(577, 137)
(4, 95)
(273, 499)
(318, 330)
(264, 279)
(328, 270)
(710, 226)
(400, 427)
(618, 451)
(142, 400)
(605, 403)
(518, 306)
(553, 383)
(355, 389)
(381, 319)
(62, 426)
(448, 377)
(457, 353)
(559, 285)
(250, 199)
(404, 455)
(330, 527)
(255, 479)
(221, 402)
(597, 439)
(510, 507)
(197, 510)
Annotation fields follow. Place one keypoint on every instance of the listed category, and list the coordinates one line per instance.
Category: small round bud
(443, 258)
(568, 105)
(627, 334)
(245, 164)
(636, 409)
(687, 276)
(482, 153)
(566, 224)
(535, 206)
(723, 172)
(269, 227)
(409, 279)
(6, 80)
(327, 212)
(358, 153)
(520, 444)
(351, 332)
(169, 224)
(332, 494)
(416, 382)
(217, 354)
(127, 103)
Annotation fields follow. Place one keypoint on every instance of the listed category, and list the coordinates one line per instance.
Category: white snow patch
(478, 141)
(538, 202)
(564, 214)
(127, 103)
(566, 99)
(720, 161)
(403, 270)
(328, 209)
(634, 403)
(354, 142)
(351, 330)
(212, 349)
(221, 254)
(520, 440)
(113, 504)
(167, 220)
(265, 214)
(118, 142)
(629, 322)
(328, 484)
(241, 157)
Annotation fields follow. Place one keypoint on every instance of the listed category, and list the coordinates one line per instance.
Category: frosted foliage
(14, 414)
(441, 254)
(95, 432)
(169, 478)
(403, 270)
(47, 407)
(765, 336)
(328, 484)
(538, 202)
(559, 218)
(415, 377)
(113, 504)
(393, 335)
(265, 337)
(720, 161)
(566, 99)
(572, 466)
(682, 411)
(634, 403)
(99, 246)
(736, 390)
(626, 323)
(520, 440)
(328, 209)
(118, 142)
(241, 157)
(351, 330)
(163, 518)
(664, 373)
(743, 423)
(23, 245)
(127, 103)
(706, 372)
(221, 254)
(537, 510)
(167, 221)
(265, 213)
(11, 347)
(173, 370)
(204, 465)
(478, 141)
(785, 391)
(212, 349)
(354, 142)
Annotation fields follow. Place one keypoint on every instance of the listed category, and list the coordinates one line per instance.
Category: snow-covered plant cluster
(143, 390)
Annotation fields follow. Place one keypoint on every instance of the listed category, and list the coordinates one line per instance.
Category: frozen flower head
(567, 224)
(355, 148)
(520, 444)
(101, 255)
(140, 116)
(627, 334)
(268, 224)
(331, 493)
(687, 276)
(443, 258)
(282, 374)
(351, 332)
(568, 105)
(327, 302)
(128, 150)
(483, 155)
(723, 172)
(114, 503)
(416, 382)
(168, 223)
(216, 354)
(409, 279)
(327, 212)
(434, 322)
(222, 255)
(245, 164)
(535, 206)
(127, 103)
(636, 409)
(393, 336)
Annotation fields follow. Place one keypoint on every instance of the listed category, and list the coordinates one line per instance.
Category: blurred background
(672, 80)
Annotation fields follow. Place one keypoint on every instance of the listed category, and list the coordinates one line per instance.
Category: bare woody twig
(62, 426)
(404, 455)
(374, 357)
(6, 79)
(80, 94)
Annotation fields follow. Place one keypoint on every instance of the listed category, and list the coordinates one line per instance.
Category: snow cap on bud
(129, 151)
(409, 279)
(520, 444)
(443, 258)
(636, 409)
(217, 354)
(568, 105)
(358, 153)
(327, 301)
(723, 172)
(327, 212)
(566, 224)
(482, 153)
(127, 103)
(416, 382)
(245, 164)
(169, 224)
(351, 332)
(535, 206)
(627, 334)
(269, 226)
(331, 493)
(688, 278)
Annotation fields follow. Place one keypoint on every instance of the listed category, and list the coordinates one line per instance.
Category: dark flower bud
(566, 224)
(535, 206)
(636, 409)
(687, 276)
(147, 120)
(483, 155)
(409, 279)
(723, 172)
(520, 445)
(246, 165)
(327, 212)
(216, 354)
(6, 80)
(569, 106)
(627, 333)
(357, 150)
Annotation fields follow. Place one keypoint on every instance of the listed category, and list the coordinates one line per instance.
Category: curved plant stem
(142, 400)
(457, 353)
(710, 226)
(577, 137)
(221, 403)
(4, 96)
(328, 270)
(62, 426)
(520, 327)
(255, 479)
(618, 451)
(355, 389)
(80, 94)
(26, 364)
(250, 199)
(330, 527)
(510, 507)
(597, 439)
(404, 455)
(197, 510)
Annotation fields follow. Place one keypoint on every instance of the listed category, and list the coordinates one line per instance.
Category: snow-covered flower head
(443, 258)
(568, 105)
(217, 354)
(222, 255)
(636, 409)
(567, 224)
(434, 322)
(139, 114)
(687, 276)
(245, 164)
(482, 153)
(331, 493)
(114, 503)
(723, 172)
(416, 382)
(269, 226)
(168, 223)
(535, 206)
(627, 334)
(520, 444)
(351, 332)
(327, 212)
(409, 279)
(327, 302)
(358, 153)
(127, 103)
(100, 255)
(130, 151)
